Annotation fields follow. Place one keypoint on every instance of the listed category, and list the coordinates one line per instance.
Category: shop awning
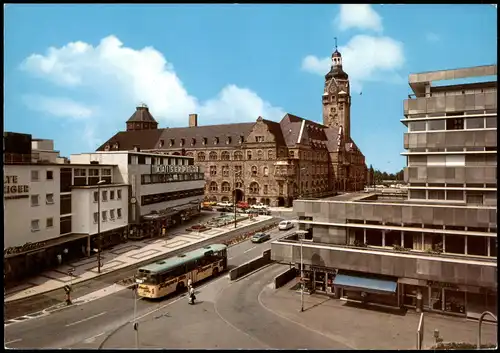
(366, 284)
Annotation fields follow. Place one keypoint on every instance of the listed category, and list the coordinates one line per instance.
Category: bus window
(151, 279)
(190, 266)
(178, 271)
(165, 276)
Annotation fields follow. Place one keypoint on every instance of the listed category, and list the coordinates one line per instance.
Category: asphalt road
(35, 303)
(85, 325)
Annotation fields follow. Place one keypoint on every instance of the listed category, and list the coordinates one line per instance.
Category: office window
(474, 123)
(50, 222)
(96, 217)
(50, 175)
(34, 175)
(491, 122)
(111, 214)
(436, 125)
(119, 213)
(104, 195)
(96, 196)
(35, 224)
(118, 194)
(49, 198)
(104, 216)
(34, 200)
(417, 126)
(455, 124)
(111, 194)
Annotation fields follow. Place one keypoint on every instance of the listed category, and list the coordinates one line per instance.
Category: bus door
(191, 271)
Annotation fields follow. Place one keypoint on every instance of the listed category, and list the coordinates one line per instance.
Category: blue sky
(74, 73)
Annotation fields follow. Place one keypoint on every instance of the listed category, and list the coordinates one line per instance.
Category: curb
(253, 272)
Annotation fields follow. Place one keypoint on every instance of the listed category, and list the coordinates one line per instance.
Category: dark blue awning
(368, 284)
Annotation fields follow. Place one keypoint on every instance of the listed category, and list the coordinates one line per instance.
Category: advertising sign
(171, 169)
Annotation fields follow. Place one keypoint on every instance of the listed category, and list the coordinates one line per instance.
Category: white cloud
(364, 58)
(358, 16)
(56, 106)
(119, 77)
(432, 37)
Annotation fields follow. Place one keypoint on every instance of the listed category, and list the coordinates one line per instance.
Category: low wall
(250, 266)
(282, 279)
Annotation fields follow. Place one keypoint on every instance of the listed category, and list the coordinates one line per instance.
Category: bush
(460, 346)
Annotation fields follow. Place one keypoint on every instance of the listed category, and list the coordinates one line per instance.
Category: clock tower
(337, 98)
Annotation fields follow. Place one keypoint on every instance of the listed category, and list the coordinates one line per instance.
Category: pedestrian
(59, 259)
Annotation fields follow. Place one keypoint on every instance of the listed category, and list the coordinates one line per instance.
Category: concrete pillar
(465, 242)
(444, 243)
(383, 237)
(402, 239)
(88, 246)
(364, 235)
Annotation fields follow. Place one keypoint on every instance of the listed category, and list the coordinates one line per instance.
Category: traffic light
(67, 289)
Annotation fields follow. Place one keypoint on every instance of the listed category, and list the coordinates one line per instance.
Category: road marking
(92, 339)
(230, 258)
(89, 318)
(14, 341)
(249, 249)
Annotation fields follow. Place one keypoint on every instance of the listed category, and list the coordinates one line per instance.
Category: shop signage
(12, 189)
(24, 248)
(441, 285)
(322, 269)
(166, 169)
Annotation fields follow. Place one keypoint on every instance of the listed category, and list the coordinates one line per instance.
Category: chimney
(137, 148)
(193, 120)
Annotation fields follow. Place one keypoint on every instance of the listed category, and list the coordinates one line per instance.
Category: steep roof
(141, 114)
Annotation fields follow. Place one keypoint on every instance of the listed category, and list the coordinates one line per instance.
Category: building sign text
(12, 189)
(166, 169)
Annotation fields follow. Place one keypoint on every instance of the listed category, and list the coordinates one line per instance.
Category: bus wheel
(215, 272)
(180, 287)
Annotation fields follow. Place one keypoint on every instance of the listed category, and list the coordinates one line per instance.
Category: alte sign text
(11, 186)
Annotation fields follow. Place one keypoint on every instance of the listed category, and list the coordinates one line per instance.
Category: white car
(285, 225)
(259, 206)
(224, 204)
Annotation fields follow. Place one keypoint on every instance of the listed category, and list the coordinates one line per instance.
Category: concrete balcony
(440, 268)
(451, 138)
(443, 174)
(451, 103)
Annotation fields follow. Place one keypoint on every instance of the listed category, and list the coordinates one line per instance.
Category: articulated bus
(172, 274)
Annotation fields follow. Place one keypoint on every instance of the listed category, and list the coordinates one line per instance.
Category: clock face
(333, 89)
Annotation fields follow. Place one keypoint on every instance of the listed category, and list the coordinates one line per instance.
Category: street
(79, 324)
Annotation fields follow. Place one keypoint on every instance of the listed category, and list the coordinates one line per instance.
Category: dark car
(260, 237)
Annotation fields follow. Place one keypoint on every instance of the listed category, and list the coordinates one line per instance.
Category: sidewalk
(362, 328)
(120, 256)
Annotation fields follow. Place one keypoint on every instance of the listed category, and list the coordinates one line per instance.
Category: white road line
(230, 258)
(89, 318)
(249, 249)
(14, 341)
(91, 339)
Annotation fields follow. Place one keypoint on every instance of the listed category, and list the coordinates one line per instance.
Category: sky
(75, 73)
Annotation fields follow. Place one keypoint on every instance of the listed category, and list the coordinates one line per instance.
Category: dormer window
(182, 142)
(242, 139)
(106, 148)
(259, 138)
(116, 146)
(193, 141)
(162, 143)
(216, 140)
(172, 142)
(228, 140)
(204, 141)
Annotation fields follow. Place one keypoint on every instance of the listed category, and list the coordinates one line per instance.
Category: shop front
(186, 212)
(154, 224)
(318, 279)
(108, 239)
(447, 298)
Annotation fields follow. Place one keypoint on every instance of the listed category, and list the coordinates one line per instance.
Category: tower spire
(335, 43)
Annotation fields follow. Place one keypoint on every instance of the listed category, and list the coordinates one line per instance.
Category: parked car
(260, 237)
(259, 206)
(264, 212)
(224, 204)
(285, 225)
(243, 205)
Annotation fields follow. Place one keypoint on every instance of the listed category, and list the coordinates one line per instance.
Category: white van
(285, 225)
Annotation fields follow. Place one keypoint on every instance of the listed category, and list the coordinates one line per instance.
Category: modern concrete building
(164, 189)
(50, 209)
(436, 248)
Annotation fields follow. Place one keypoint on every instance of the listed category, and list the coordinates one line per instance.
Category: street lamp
(234, 196)
(99, 183)
(300, 234)
(136, 324)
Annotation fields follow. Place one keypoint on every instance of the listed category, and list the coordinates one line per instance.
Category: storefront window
(436, 302)
(454, 301)
(320, 281)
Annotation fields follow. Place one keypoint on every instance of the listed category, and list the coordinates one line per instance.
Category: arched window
(254, 188)
(225, 170)
(226, 187)
(238, 156)
(270, 154)
(266, 171)
(212, 156)
(225, 156)
(225, 199)
(189, 154)
(216, 140)
(214, 187)
(193, 141)
(182, 142)
(239, 185)
(260, 154)
(254, 171)
(201, 156)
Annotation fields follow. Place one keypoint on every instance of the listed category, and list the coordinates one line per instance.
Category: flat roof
(63, 165)
(95, 186)
(157, 154)
(418, 81)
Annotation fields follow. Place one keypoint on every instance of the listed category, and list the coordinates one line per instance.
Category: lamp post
(136, 324)
(300, 234)
(234, 196)
(99, 183)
